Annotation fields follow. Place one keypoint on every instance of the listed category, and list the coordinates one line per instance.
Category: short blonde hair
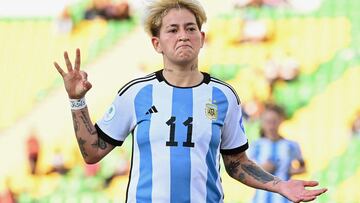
(157, 9)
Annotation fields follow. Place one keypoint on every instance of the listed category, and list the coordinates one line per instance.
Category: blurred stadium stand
(320, 101)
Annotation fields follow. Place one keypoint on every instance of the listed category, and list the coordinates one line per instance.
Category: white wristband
(77, 104)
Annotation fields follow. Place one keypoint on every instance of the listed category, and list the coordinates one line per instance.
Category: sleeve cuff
(106, 137)
(235, 150)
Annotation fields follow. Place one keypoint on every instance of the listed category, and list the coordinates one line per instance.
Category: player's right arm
(92, 147)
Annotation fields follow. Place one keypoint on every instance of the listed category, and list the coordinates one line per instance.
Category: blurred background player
(356, 126)
(276, 154)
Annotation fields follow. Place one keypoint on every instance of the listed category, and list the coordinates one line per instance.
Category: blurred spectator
(277, 155)
(252, 109)
(356, 126)
(257, 3)
(298, 5)
(122, 169)
(58, 163)
(118, 11)
(32, 150)
(107, 10)
(254, 30)
(7, 196)
(245, 3)
(64, 23)
(289, 68)
(92, 169)
(97, 9)
(305, 6)
(274, 3)
(280, 66)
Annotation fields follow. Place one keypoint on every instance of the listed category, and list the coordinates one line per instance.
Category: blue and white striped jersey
(281, 153)
(178, 134)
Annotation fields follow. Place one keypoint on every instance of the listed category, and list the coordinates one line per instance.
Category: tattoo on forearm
(257, 173)
(232, 168)
(99, 144)
(242, 177)
(75, 122)
(276, 180)
(90, 128)
(81, 143)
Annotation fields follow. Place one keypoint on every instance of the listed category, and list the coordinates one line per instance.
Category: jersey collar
(160, 78)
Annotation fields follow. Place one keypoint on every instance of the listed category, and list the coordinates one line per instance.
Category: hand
(295, 190)
(75, 81)
(295, 171)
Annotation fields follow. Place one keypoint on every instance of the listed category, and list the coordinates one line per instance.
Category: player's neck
(274, 137)
(183, 76)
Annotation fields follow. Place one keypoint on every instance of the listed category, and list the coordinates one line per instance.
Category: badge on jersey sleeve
(211, 111)
(110, 113)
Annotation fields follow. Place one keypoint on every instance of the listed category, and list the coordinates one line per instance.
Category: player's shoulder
(225, 87)
(137, 83)
(262, 141)
(290, 143)
(293, 143)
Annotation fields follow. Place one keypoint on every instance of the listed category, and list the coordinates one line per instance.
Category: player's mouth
(183, 46)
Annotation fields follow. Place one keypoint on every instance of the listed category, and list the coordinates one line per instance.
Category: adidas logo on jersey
(152, 110)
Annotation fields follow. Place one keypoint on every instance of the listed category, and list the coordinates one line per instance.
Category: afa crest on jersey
(211, 111)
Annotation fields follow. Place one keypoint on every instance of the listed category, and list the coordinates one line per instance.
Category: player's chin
(186, 56)
(185, 60)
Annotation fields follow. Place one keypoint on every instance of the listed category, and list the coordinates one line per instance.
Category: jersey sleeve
(233, 137)
(117, 122)
(297, 155)
(254, 151)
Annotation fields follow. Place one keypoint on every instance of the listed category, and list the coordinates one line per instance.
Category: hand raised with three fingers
(295, 190)
(75, 80)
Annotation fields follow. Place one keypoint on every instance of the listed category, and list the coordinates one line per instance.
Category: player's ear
(202, 38)
(156, 44)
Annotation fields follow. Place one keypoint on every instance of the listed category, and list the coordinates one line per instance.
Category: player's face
(357, 125)
(270, 123)
(180, 39)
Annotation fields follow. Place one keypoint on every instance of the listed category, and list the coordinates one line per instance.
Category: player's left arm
(298, 164)
(241, 168)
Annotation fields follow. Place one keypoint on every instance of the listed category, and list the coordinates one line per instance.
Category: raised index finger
(62, 73)
(67, 61)
(77, 60)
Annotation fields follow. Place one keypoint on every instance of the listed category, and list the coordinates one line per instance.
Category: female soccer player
(181, 120)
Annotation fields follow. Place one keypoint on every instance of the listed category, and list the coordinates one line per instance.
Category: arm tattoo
(259, 174)
(87, 123)
(242, 177)
(239, 171)
(276, 180)
(75, 122)
(99, 144)
(232, 168)
(81, 146)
